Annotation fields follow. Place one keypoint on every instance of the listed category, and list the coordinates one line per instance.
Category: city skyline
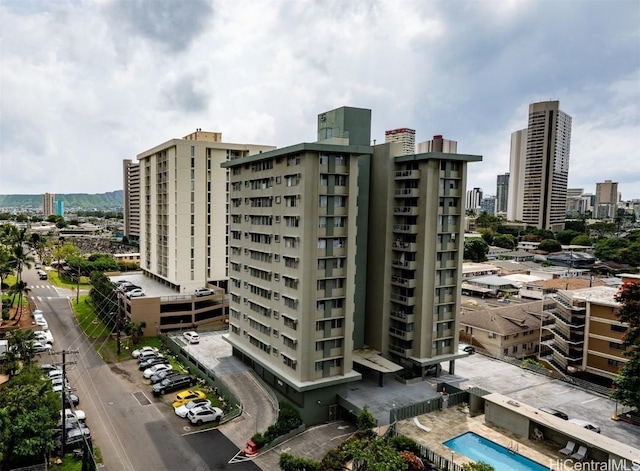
(88, 85)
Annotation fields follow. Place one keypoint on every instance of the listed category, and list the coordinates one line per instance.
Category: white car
(74, 415)
(192, 336)
(185, 408)
(38, 317)
(44, 336)
(155, 369)
(139, 351)
(135, 293)
(40, 347)
(200, 415)
(204, 292)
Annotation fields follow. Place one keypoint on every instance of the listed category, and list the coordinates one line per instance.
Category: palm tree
(20, 348)
(21, 290)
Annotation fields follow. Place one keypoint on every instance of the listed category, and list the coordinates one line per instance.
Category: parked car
(182, 410)
(204, 292)
(200, 415)
(463, 347)
(192, 336)
(135, 293)
(38, 317)
(149, 372)
(40, 347)
(555, 412)
(125, 287)
(585, 424)
(47, 367)
(147, 355)
(185, 396)
(152, 362)
(54, 373)
(74, 414)
(139, 351)
(73, 437)
(173, 383)
(162, 375)
(44, 336)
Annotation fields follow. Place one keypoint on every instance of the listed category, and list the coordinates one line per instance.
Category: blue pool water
(478, 448)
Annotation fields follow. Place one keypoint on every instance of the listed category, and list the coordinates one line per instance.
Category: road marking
(590, 400)
(563, 392)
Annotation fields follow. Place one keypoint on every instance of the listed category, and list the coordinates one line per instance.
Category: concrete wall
(510, 420)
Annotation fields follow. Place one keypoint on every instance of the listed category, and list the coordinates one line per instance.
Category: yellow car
(189, 395)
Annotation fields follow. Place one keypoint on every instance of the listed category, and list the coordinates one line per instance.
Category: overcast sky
(85, 84)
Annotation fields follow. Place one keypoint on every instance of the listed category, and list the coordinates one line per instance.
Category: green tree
(289, 462)
(577, 225)
(477, 466)
(475, 249)
(550, 245)
(506, 241)
(581, 239)
(20, 350)
(104, 298)
(565, 237)
(22, 290)
(374, 455)
(608, 249)
(627, 383)
(366, 420)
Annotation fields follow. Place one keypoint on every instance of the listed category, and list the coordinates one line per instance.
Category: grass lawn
(70, 463)
(89, 322)
(64, 282)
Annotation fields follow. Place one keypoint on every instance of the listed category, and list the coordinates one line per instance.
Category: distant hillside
(110, 200)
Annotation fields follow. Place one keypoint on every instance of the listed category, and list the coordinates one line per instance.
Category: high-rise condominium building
(405, 136)
(59, 208)
(488, 205)
(606, 200)
(575, 202)
(474, 199)
(517, 160)
(544, 201)
(502, 193)
(305, 297)
(183, 214)
(131, 187)
(48, 204)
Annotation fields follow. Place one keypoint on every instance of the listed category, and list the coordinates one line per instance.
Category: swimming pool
(477, 448)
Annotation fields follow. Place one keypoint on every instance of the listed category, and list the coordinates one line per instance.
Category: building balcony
(408, 246)
(407, 264)
(407, 175)
(402, 299)
(404, 282)
(575, 321)
(401, 334)
(400, 351)
(406, 193)
(406, 210)
(448, 211)
(405, 228)
(402, 316)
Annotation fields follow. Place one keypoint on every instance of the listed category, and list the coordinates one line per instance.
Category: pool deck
(449, 423)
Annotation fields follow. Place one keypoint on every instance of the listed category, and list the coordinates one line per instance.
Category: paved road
(131, 435)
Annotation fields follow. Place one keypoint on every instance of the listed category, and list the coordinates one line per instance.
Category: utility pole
(118, 330)
(64, 392)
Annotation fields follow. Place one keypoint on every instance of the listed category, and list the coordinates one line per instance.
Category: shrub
(290, 462)
(334, 460)
(260, 440)
(366, 420)
(404, 443)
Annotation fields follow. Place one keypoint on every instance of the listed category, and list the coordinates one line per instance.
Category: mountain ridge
(85, 201)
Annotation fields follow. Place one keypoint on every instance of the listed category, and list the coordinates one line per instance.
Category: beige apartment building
(606, 206)
(339, 250)
(48, 204)
(546, 171)
(512, 331)
(183, 209)
(131, 190)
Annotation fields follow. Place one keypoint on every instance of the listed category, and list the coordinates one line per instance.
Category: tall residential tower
(544, 201)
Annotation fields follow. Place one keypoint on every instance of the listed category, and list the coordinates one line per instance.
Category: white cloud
(87, 84)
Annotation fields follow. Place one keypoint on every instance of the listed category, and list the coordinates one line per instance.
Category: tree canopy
(475, 249)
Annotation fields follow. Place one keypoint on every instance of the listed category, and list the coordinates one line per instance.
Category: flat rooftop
(151, 287)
